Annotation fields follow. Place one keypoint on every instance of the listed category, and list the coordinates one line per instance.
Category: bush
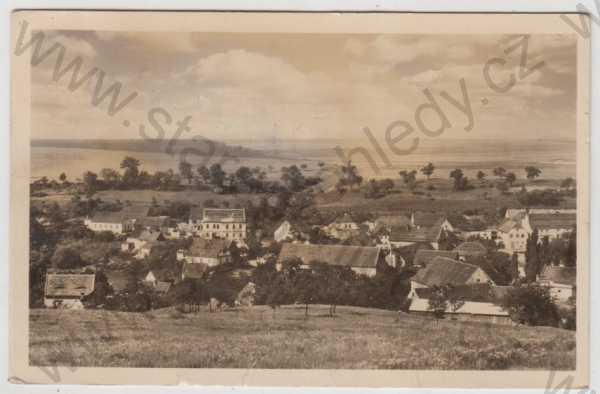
(532, 305)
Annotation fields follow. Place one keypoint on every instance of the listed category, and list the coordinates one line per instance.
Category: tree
(514, 267)
(428, 170)
(350, 176)
(90, 180)
(532, 259)
(409, 178)
(109, 176)
(185, 170)
(66, 257)
(217, 175)
(503, 187)
(499, 172)
(532, 172)
(293, 179)
(530, 304)
(480, 175)
(62, 177)
(461, 182)
(130, 165)
(204, 173)
(438, 301)
(510, 178)
(568, 183)
(571, 250)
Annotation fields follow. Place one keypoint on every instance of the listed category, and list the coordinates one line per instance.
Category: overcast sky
(303, 86)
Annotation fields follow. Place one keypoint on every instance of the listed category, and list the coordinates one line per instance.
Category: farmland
(260, 337)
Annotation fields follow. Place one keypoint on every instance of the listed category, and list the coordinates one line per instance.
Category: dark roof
(154, 221)
(117, 279)
(108, 217)
(345, 218)
(390, 221)
(202, 247)
(424, 257)
(194, 270)
(343, 255)
(557, 274)
(463, 223)
(480, 292)
(443, 271)
(552, 220)
(471, 248)
(224, 215)
(428, 219)
(69, 285)
(130, 212)
(424, 234)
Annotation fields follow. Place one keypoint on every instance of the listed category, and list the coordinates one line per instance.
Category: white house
(118, 222)
(67, 290)
(513, 233)
(222, 223)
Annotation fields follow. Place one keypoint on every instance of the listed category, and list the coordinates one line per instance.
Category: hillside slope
(262, 338)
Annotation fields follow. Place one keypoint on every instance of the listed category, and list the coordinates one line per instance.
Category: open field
(262, 338)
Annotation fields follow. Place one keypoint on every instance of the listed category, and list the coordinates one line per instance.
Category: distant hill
(201, 147)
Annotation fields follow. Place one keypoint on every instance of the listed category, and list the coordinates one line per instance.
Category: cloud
(159, 42)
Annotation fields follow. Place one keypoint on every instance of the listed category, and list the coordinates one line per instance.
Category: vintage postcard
(300, 199)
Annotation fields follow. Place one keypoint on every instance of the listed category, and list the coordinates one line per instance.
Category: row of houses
(395, 231)
(207, 223)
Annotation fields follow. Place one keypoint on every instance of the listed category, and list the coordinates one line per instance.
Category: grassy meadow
(259, 337)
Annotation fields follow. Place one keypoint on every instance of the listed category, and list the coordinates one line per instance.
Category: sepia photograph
(334, 195)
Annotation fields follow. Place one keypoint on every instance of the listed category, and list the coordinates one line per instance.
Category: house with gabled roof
(141, 242)
(343, 227)
(194, 270)
(478, 302)
(159, 279)
(442, 271)
(211, 252)
(424, 256)
(560, 281)
(470, 249)
(117, 222)
(67, 290)
(224, 223)
(361, 259)
(513, 233)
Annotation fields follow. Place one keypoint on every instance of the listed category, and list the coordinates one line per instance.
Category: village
(514, 267)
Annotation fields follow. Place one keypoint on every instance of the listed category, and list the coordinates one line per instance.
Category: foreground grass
(261, 338)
